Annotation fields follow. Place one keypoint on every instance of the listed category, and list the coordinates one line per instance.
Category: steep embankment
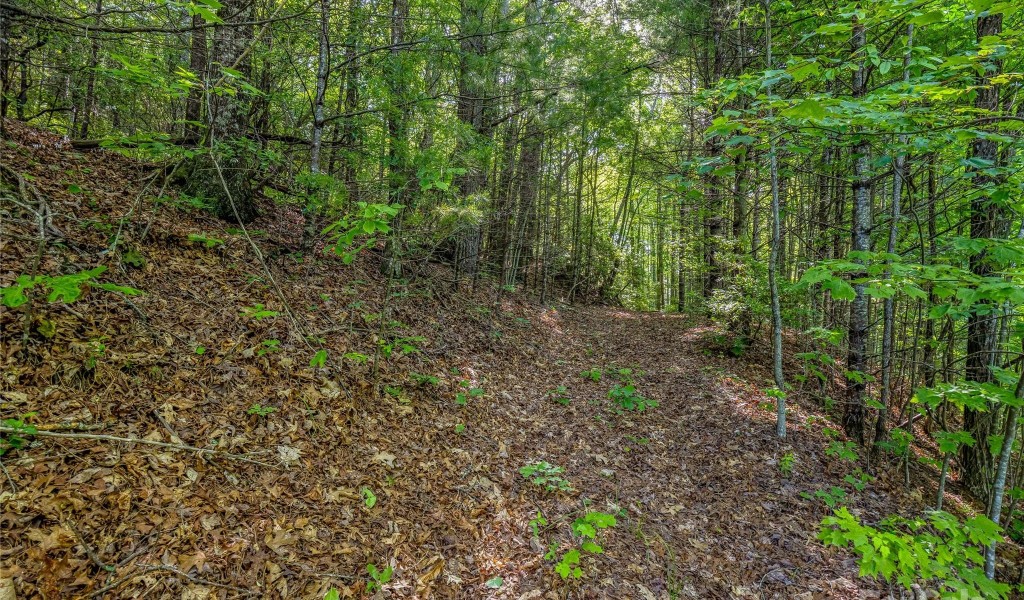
(410, 460)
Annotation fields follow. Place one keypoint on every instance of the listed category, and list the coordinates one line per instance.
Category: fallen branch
(132, 440)
(71, 426)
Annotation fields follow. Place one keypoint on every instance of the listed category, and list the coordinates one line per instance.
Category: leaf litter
(704, 512)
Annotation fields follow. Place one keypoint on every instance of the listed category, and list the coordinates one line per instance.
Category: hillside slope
(402, 449)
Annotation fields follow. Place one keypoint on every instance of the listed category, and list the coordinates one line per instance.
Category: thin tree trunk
(856, 363)
(888, 317)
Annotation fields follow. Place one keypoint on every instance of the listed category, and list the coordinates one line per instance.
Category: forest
(511, 299)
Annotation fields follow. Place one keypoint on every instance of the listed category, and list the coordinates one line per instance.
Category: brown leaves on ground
(704, 511)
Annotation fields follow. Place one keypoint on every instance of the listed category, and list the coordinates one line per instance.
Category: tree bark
(856, 362)
(987, 220)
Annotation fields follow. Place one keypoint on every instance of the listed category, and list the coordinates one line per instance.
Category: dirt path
(704, 510)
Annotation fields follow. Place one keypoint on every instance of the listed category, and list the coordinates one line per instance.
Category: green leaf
(840, 289)
(808, 109)
(928, 18)
(319, 359)
(495, 582)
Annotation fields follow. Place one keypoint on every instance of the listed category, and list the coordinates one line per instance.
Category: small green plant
(536, 523)
(378, 578)
(937, 550)
(13, 441)
(786, 463)
(560, 395)
(370, 220)
(268, 346)
(547, 476)
(462, 398)
(258, 312)
(401, 345)
(208, 241)
(319, 359)
(460, 427)
(95, 350)
(831, 497)
(843, 450)
(260, 410)
(587, 529)
(593, 374)
(332, 594)
(356, 357)
(626, 398)
(858, 480)
(421, 379)
(200, 350)
(369, 498)
(64, 288)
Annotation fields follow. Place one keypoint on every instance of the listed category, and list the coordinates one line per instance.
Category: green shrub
(937, 551)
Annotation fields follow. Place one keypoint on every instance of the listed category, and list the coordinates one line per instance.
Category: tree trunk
(988, 220)
(853, 417)
(229, 182)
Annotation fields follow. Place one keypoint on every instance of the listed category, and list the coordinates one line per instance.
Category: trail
(709, 512)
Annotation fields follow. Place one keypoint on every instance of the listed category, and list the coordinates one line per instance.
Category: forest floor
(409, 460)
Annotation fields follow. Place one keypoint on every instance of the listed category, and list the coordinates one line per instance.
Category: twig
(14, 488)
(132, 440)
(194, 579)
(174, 436)
(71, 427)
(95, 558)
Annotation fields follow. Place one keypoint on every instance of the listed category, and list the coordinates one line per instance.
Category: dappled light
(511, 299)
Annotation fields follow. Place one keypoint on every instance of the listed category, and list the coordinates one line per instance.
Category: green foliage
(14, 441)
(560, 395)
(260, 410)
(843, 450)
(400, 346)
(94, 351)
(378, 578)
(587, 529)
(786, 463)
(832, 497)
(206, 240)
(626, 398)
(537, 522)
(421, 379)
(547, 476)
(356, 357)
(319, 359)
(63, 288)
(258, 312)
(858, 479)
(951, 441)
(268, 346)
(462, 398)
(369, 498)
(593, 374)
(369, 221)
(937, 550)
